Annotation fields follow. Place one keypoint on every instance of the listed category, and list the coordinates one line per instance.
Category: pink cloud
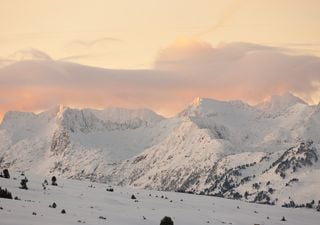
(182, 71)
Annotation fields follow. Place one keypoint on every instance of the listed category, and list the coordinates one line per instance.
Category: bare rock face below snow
(266, 154)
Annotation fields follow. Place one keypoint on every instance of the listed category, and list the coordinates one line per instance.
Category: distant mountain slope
(267, 154)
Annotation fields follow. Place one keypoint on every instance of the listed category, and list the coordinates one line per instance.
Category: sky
(187, 46)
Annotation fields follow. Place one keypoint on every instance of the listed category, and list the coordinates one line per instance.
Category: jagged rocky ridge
(267, 153)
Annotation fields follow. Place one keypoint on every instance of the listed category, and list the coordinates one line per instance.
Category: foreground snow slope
(267, 153)
(85, 202)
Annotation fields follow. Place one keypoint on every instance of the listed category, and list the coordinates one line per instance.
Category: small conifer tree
(54, 181)
(23, 183)
(6, 173)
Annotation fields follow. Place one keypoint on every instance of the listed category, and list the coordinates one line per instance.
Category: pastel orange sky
(129, 34)
(186, 47)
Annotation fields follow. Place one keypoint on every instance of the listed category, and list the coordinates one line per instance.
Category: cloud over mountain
(241, 70)
(182, 71)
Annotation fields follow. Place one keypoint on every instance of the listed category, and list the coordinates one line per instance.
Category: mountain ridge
(223, 148)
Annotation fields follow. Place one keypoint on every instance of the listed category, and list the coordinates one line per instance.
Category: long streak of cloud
(94, 42)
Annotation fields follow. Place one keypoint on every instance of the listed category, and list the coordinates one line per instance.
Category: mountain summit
(280, 102)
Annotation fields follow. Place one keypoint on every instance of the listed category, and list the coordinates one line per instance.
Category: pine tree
(54, 181)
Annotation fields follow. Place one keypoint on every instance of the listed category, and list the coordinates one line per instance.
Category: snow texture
(89, 203)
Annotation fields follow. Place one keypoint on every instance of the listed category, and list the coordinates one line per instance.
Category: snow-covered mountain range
(266, 153)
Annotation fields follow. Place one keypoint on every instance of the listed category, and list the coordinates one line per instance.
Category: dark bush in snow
(262, 197)
(318, 207)
(110, 189)
(102, 217)
(166, 221)
(23, 183)
(6, 173)
(256, 186)
(54, 181)
(4, 193)
(271, 190)
(310, 204)
(54, 205)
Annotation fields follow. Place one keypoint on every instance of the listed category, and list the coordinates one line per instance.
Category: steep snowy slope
(266, 153)
(233, 150)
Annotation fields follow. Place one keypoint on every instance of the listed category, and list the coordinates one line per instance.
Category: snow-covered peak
(15, 117)
(20, 125)
(197, 101)
(14, 114)
(87, 120)
(84, 120)
(55, 111)
(280, 102)
(206, 107)
(122, 115)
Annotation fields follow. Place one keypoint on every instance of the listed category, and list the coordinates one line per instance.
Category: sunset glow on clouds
(184, 70)
(156, 54)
